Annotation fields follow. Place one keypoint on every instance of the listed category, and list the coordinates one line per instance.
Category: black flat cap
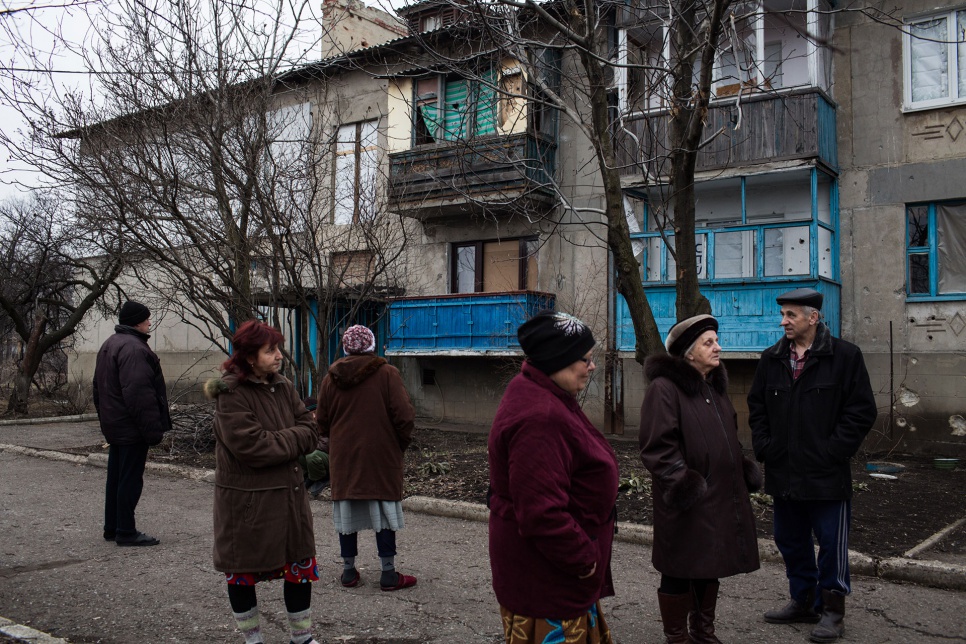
(802, 296)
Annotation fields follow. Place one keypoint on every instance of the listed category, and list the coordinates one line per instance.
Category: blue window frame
(758, 228)
(936, 250)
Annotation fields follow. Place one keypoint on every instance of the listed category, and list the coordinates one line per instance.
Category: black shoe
(109, 535)
(140, 539)
(350, 578)
(793, 613)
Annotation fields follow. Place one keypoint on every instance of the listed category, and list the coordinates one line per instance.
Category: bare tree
(574, 61)
(53, 271)
(213, 156)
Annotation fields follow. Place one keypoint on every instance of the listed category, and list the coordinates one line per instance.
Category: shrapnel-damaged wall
(916, 351)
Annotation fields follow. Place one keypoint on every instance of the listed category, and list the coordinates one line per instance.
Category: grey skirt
(355, 515)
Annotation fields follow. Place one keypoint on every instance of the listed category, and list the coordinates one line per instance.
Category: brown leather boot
(701, 618)
(795, 612)
(674, 614)
(832, 625)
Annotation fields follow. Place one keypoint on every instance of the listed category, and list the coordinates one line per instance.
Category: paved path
(57, 575)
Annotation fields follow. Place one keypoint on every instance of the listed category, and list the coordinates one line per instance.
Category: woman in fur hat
(263, 524)
(553, 492)
(704, 528)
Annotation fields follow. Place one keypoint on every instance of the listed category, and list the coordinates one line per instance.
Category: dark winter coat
(805, 431)
(129, 392)
(704, 527)
(366, 413)
(553, 494)
(261, 511)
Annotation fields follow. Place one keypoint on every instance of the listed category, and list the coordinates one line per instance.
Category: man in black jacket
(132, 407)
(811, 406)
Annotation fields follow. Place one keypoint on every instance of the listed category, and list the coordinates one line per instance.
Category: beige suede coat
(261, 511)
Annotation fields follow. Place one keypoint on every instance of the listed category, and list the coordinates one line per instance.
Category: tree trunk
(627, 267)
(28, 367)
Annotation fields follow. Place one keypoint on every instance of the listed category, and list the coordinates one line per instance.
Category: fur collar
(683, 375)
(821, 345)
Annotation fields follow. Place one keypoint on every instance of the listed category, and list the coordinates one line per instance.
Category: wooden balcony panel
(797, 125)
(502, 166)
(462, 324)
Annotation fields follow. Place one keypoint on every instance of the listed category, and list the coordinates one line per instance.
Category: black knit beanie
(133, 313)
(553, 340)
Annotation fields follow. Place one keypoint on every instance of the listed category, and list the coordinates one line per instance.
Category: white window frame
(952, 72)
(816, 54)
(356, 166)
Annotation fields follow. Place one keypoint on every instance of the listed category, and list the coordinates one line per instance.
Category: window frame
(650, 236)
(478, 268)
(476, 92)
(930, 250)
(819, 62)
(952, 71)
(357, 153)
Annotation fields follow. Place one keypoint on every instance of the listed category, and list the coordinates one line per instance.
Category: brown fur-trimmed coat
(703, 522)
(262, 518)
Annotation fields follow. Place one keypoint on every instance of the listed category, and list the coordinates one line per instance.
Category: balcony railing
(436, 180)
(463, 324)
(774, 127)
(747, 314)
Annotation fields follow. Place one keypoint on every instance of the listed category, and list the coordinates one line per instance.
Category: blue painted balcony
(462, 324)
(456, 178)
(747, 313)
(793, 125)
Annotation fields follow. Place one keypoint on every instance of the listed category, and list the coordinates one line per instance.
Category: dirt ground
(888, 516)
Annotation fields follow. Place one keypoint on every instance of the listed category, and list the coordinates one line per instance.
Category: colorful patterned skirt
(589, 628)
(299, 572)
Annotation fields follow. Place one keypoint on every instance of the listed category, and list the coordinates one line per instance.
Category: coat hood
(352, 370)
(683, 375)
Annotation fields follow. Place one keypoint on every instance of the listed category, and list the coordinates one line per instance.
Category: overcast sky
(54, 30)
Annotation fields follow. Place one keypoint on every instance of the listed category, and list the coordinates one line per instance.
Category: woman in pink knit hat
(364, 410)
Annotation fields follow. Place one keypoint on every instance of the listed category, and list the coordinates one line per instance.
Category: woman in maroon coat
(553, 492)
(262, 520)
(704, 528)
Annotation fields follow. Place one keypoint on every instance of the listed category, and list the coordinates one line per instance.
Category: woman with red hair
(263, 524)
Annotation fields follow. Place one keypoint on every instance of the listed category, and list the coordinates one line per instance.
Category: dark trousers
(125, 480)
(795, 523)
(385, 543)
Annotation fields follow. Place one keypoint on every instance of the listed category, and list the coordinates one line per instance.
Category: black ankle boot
(795, 612)
(832, 624)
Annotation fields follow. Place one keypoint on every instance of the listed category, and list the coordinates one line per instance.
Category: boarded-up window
(493, 266)
(351, 269)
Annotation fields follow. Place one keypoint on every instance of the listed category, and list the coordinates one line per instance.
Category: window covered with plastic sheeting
(936, 250)
(934, 60)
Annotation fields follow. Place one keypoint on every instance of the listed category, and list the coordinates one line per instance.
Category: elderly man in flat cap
(811, 406)
(132, 407)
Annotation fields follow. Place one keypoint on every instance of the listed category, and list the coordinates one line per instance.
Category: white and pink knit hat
(358, 339)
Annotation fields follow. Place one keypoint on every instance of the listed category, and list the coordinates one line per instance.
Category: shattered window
(936, 249)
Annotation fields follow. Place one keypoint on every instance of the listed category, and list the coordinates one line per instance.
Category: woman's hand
(589, 574)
